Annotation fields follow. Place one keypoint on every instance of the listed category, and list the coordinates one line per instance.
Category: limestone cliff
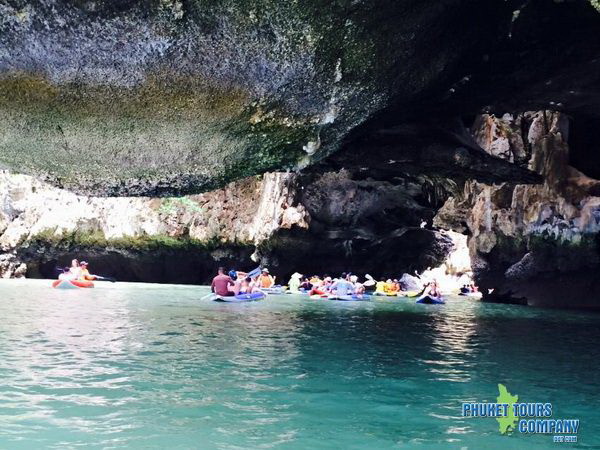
(538, 243)
(325, 222)
(43, 226)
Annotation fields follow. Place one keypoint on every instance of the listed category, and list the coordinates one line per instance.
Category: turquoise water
(149, 366)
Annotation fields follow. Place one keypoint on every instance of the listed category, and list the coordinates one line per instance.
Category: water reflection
(453, 344)
(151, 366)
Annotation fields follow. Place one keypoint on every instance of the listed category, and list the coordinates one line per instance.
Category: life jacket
(380, 287)
(265, 281)
(84, 274)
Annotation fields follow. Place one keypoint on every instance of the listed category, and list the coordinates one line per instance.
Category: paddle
(207, 296)
(254, 273)
(417, 295)
(96, 277)
(99, 278)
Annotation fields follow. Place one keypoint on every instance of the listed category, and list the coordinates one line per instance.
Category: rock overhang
(174, 97)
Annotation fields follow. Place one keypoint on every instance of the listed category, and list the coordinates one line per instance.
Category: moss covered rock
(168, 97)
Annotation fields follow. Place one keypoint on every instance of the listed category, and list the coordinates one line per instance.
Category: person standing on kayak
(220, 284)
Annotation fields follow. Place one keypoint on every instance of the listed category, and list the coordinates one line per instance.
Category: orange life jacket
(84, 274)
(265, 281)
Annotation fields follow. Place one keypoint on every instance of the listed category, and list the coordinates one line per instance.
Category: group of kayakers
(469, 289)
(77, 271)
(348, 284)
(236, 282)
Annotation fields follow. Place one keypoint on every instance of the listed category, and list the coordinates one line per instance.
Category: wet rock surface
(536, 244)
(171, 97)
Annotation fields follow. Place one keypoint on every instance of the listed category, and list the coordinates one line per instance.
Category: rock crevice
(538, 242)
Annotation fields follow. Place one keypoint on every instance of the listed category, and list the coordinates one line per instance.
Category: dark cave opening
(166, 266)
(583, 131)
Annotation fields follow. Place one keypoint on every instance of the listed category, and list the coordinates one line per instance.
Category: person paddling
(221, 283)
(84, 273)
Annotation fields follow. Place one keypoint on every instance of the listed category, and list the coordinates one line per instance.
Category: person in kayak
(66, 274)
(380, 286)
(322, 287)
(248, 286)
(84, 274)
(294, 283)
(369, 284)
(306, 285)
(222, 284)
(389, 287)
(341, 286)
(433, 290)
(265, 280)
(74, 270)
(239, 279)
(359, 289)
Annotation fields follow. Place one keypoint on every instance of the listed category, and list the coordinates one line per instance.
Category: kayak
(298, 292)
(408, 294)
(426, 299)
(347, 298)
(72, 284)
(274, 290)
(471, 294)
(240, 297)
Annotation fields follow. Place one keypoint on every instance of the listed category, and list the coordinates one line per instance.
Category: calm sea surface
(155, 366)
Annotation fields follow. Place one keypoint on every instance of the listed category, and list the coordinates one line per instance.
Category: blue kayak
(240, 297)
(274, 290)
(348, 298)
(426, 299)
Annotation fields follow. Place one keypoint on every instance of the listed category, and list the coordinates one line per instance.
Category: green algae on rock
(166, 98)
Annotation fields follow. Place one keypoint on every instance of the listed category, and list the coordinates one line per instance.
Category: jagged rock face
(359, 225)
(246, 211)
(141, 239)
(325, 223)
(537, 242)
(168, 97)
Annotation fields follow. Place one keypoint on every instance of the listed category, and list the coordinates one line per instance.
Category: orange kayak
(72, 284)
